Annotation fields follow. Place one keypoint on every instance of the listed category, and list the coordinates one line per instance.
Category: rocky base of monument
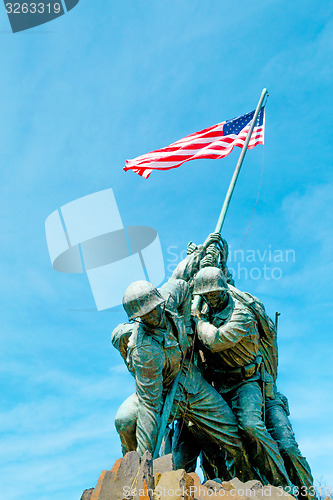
(135, 478)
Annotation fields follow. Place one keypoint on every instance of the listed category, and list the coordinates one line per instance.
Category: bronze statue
(157, 350)
(238, 356)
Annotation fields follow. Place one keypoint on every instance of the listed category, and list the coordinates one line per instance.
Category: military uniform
(279, 426)
(155, 355)
(276, 404)
(231, 345)
(126, 416)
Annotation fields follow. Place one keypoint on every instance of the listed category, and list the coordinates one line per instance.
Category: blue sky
(111, 81)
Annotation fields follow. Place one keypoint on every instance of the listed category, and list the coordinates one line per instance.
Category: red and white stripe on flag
(211, 143)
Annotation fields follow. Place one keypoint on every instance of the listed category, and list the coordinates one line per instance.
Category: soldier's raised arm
(188, 267)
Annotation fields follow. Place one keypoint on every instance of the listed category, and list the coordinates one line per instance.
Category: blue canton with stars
(235, 125)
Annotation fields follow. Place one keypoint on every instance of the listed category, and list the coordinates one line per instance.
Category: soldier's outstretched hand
(208, 261)
(212, 238)
(211, 258)
(191, 247)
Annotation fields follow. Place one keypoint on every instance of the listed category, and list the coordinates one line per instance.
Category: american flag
(211, 143)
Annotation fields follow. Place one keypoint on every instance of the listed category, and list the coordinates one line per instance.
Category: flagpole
(231, 188)
(196, 302)
(197, 299)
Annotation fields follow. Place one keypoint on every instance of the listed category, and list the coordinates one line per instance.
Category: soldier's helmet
(140, 298)
(209, 279)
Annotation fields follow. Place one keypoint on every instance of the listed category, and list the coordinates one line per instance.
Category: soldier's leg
(213, 462)
(125, 423)
(185, 447)
(279, 426)
(247, 404)
(214, 420)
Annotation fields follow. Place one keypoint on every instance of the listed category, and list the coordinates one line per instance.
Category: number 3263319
(33, 8)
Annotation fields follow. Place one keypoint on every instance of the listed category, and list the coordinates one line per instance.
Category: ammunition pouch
(236, 374)
(268, 383)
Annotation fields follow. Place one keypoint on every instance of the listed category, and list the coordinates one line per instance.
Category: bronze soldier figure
(156, 352)
(276, 408)
(238, 361)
